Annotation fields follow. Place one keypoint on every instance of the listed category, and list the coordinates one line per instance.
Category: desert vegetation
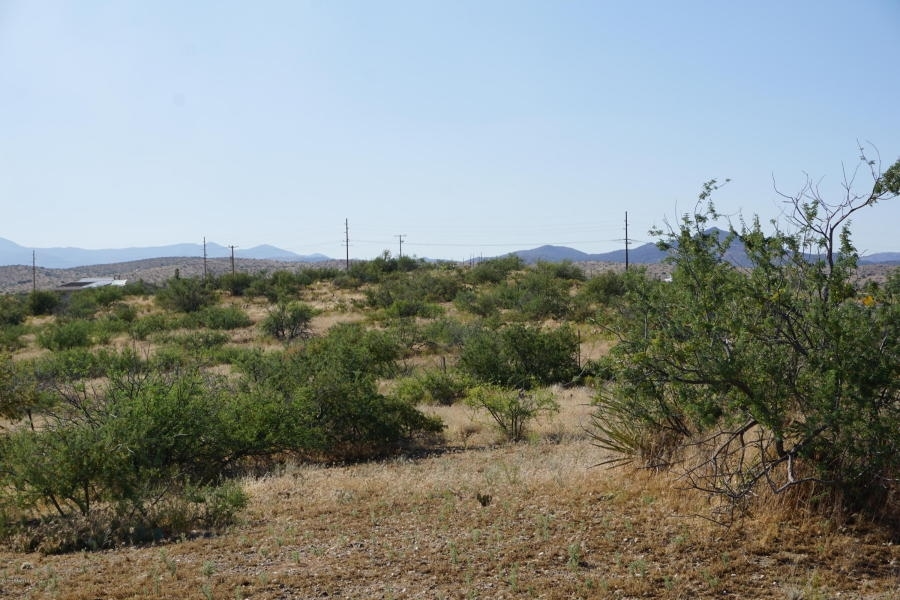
(415, 429)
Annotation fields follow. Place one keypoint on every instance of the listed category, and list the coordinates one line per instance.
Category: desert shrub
(229, 354)
(413, 308)
(494, 270)
(333, 382)
(139, 288)
(71, 364)
(780, 373)
(373, 271)
(142, 455)
(75, 364)
(198, 342)
(280, 286)
(433, 386)
(11, 337)
(122, 311)
(120, 362)
(566, 270)
(13, 310)
(603, 288)
(537, 294)
(521, 356)
(19, 395)
(64, 335)
(42, 302)
(116, 318)
(235, 283)
(171, 358)
(418, 289)
(80, 304)
(512, 410)
(153, 323)
(289, 321)
(356, 350)
(185, 295)
(222, 317)
(485, 302)
(444, 333)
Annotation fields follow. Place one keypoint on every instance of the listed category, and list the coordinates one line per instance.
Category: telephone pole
(33, 272)
(232, 259)
(626, 240)
(347, 241)
(400, 237)
(204, 258)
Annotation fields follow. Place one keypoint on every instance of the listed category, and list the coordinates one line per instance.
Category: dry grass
(533, 520)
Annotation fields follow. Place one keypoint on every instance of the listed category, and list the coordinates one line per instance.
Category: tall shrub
(779, 371)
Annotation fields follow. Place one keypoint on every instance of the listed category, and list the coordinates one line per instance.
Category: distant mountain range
(649, 254)
(64, 258)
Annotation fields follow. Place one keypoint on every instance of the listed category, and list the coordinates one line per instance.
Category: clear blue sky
(472, 128)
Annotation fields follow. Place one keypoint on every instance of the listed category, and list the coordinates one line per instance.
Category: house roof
(92, 282)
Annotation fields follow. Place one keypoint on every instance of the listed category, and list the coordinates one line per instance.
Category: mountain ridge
(12, 254)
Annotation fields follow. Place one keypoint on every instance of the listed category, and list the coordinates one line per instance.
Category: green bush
(779, 373)
(19, 395)
(75, 364)
(537, 295)
(185, 295)
(444, 333)
(64, 335)
(494, 270)
(333, 382)
(410, 292)
(13, 310)
(80, 304)
(521, 356)
(236, 283)
(604, 288)
(433, 386)
(512, 410)
(144, 327)
(142, 455)
(42, 302)
(69, 365)
(483, 303)
(223, 317)
(171, 359)
(565, 270)
(289, 321)
(11, 337)
(198, 342)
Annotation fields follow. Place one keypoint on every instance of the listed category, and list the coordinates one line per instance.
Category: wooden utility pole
(400, 237)
(204, 257)
(232, 259)
(626, 240)
(33, 272)
(347, 242)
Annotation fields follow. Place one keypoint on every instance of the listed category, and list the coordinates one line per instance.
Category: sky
(461, 128)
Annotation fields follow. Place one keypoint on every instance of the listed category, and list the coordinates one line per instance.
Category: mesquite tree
(760, 364)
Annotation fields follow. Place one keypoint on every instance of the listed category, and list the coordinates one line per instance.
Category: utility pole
(627, 241)
(33, 272)
(347, 241)
(232, 259)
(400, 237)
(204, 258)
